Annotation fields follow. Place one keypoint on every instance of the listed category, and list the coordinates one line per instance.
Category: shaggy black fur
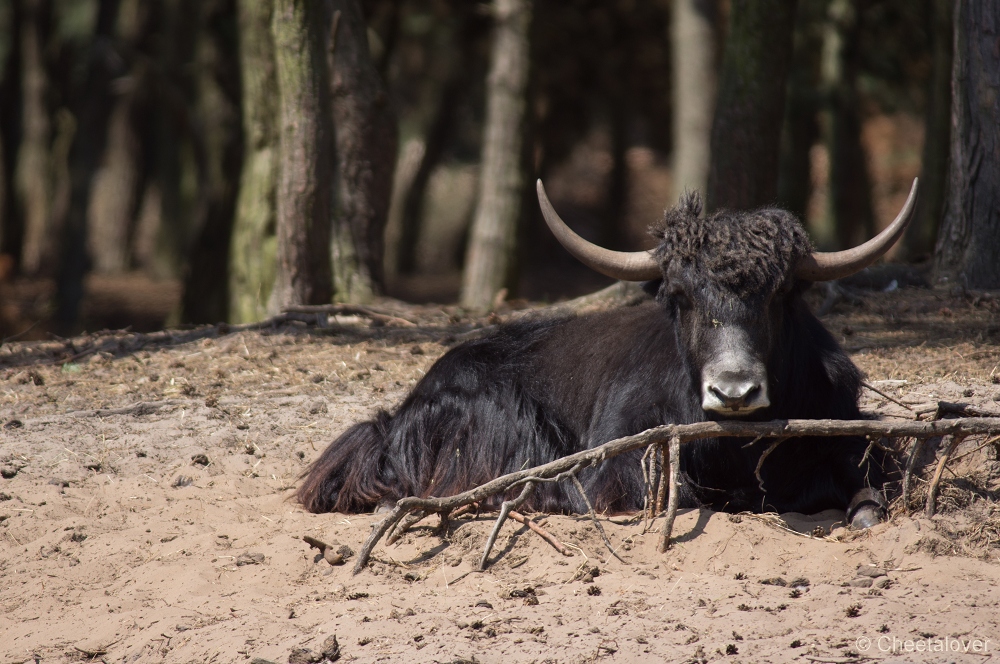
(533, 392)
(746, 253)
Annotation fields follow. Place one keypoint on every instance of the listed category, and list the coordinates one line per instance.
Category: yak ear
(652, 287)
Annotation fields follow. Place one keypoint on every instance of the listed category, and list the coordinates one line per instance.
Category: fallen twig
(567, 466)
(541, 532)
(463, 510)
(874, 389)
(593, 517)
(140, 408)
(97, 652)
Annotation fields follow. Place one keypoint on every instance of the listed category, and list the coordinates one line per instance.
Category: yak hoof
(867, 509)
(866, 516)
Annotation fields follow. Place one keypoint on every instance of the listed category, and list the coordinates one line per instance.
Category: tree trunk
(693, 52)
(801, 130)
(5, 217)
(489, 259)
(305, 163)
(163, 230)
(205, 297)
(11, 226)
(366, 143)
(88, 145)
(115, 199)
(746, 131)
(408, 165)
(32, 177)
(384, 18)
(968, 247)
(849, 185)
(251, 267)
(440, 129)
(919, 239)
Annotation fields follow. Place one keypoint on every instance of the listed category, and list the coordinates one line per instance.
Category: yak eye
(679, 297)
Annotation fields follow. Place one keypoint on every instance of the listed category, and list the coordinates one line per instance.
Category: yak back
(532, 392)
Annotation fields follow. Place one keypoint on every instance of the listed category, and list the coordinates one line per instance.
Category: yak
(725, 334)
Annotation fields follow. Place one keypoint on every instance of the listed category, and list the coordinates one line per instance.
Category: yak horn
(826, 266)
(624, 265)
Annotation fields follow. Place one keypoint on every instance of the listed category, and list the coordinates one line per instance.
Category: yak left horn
(827, 266)
(624, 265)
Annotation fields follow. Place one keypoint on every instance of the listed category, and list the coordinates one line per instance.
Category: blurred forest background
(171, 162)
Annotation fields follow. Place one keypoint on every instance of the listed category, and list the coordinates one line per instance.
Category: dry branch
(944, 408)
(113, 342)
(911, 464)
(137, 409)
(411, 520)
(618, 294)
(662, 490)
(649, 480)
(374, 313)
(931, 506)
(674, 500)
(963, 410)
(505, 509)
(124, 341)
(568, 466)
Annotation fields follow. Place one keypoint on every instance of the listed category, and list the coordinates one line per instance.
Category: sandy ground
(146, 516)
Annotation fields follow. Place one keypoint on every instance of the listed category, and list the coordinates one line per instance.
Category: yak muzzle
(734, 381)
(734, 393)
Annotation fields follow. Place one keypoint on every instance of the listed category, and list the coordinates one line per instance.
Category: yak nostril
(735, 396)
(749, 396)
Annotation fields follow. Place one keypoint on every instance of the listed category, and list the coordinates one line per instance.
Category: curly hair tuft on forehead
(745, 253)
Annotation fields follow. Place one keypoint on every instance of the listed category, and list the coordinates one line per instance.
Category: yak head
(728, 281)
